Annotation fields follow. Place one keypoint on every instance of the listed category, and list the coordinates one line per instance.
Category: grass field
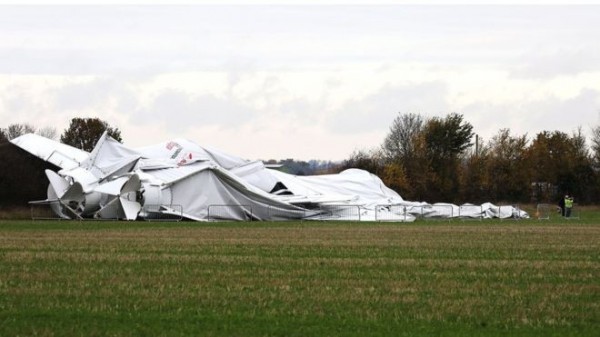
(487, 278)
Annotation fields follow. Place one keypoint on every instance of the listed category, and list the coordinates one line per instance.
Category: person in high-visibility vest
(568, 205)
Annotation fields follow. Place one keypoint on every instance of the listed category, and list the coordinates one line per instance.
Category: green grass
(472, 278)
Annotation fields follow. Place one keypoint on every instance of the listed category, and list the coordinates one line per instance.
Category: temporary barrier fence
(172, 212)
(340, 212)
(437, 212)
(542, 211)
(545, 211)
(230, 212)
(42, 210)
(276, 213)
(574, 214)
(390, 213)
(425, 212)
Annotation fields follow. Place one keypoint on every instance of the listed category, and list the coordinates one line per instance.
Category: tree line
(442, 159)
(430, 159)
(82, 133)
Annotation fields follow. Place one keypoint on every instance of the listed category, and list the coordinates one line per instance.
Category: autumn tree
(422, 157)
(507, 167)
(584, 179)
(395, 178)
(546, 162)
(431, 160)
(83, 133)
(560, 164)
(474, 177)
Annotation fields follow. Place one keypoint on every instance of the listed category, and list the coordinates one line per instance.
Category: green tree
(83, 133)
(596, 146)
(445, 140)
(448, 137)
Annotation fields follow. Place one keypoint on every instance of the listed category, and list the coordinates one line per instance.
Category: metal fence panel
(172, 212)
(341, 212)
(574, 213)
(278, 214)
(42, 210)
(231, 212)
(437, 212)
(543, 211)
(416, 211)
(390, 213)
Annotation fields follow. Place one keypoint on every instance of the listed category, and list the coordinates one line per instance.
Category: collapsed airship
(182, 179)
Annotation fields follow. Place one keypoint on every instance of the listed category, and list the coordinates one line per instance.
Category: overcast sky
(304, 82)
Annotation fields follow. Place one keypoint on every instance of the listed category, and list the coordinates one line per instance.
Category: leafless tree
(15, 130)
(400, 143)
(48, 132)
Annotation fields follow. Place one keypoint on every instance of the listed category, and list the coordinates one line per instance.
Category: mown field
(488, 278)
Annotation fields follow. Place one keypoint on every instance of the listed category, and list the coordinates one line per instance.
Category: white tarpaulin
(200, 183)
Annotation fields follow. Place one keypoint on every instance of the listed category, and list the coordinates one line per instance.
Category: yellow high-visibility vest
(569, 202)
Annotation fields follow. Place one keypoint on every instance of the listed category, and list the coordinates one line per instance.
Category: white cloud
(533, 116)
(559, 63)
(298, 81)
(377, 111)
